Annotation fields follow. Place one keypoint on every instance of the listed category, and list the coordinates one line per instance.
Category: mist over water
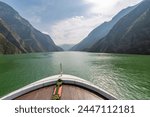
(124, 76)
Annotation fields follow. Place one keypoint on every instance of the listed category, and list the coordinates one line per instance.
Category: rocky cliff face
(20, 35)
(6, 47)
(130, 35)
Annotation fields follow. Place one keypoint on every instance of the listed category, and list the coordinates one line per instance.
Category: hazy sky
(68, 21)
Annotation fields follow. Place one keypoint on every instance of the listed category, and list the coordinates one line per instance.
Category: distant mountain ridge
(66, 47)
(18, 34)
(131, 34)
(100, 32)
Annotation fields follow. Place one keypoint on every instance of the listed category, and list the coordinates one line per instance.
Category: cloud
(109, 7)
(74, 29)
(101, 5)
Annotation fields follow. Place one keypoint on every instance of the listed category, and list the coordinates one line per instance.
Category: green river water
(124, 76)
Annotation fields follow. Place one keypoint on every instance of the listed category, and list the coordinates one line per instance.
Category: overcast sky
(68, 21)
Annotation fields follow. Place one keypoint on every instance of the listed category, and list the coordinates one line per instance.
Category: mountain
(66, 47)
(19, 36)
(130, 35)
(101, 31)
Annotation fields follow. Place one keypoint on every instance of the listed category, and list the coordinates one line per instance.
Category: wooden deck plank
(39, 94)
(77, 93)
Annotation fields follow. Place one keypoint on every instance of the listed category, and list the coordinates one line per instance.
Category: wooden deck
(69, 92)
